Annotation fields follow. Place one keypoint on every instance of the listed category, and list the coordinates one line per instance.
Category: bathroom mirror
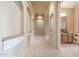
(64, 24)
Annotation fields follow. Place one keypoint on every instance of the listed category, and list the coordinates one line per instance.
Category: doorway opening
(68, 30)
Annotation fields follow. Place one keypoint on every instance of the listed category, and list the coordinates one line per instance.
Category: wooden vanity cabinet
(66, 37)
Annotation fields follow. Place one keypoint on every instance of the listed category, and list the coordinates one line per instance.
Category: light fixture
(39, 17)
(63, 14)
(41, 21)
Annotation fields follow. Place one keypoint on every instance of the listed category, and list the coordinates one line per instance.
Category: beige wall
(10, 19)
(76, 20)
(70, 17)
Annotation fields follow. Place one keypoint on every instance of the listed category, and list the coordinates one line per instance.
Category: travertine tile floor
(40, 48)
(51, 52)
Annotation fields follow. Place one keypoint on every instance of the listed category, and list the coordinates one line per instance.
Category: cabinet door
(70, 37)
(65, 38)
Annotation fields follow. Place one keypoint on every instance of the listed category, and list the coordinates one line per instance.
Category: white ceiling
(69, 4)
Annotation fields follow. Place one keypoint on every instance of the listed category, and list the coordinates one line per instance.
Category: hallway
(39, 29)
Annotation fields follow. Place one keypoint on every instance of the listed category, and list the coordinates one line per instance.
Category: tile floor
(40, 48)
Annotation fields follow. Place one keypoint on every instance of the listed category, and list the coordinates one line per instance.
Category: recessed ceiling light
(63, 14)
(39, 17)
